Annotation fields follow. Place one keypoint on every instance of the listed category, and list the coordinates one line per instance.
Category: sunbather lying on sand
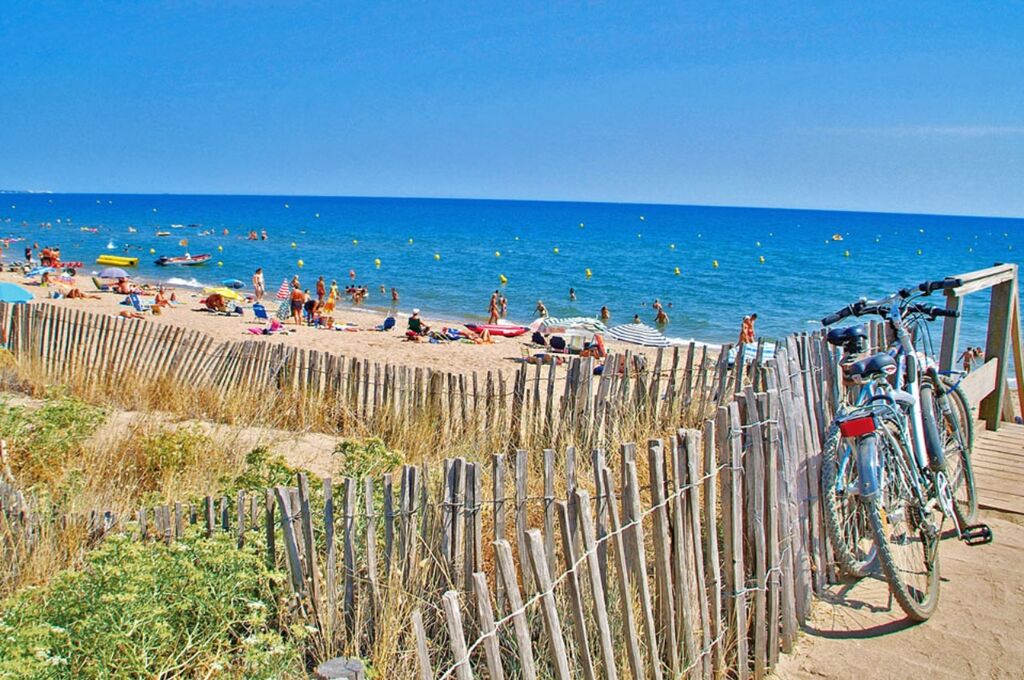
(75, 294)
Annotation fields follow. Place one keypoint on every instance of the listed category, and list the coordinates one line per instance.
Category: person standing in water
(394, 295)
(258, 286)
(605, 314)
(541, 310)
(503, 307)
(572, 295)
(492, 309)
(747, 333)
(662, 318)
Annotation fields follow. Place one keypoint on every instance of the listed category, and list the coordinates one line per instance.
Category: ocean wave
(188, 283)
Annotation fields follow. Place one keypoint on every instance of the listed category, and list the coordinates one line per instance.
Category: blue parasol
(13, 293)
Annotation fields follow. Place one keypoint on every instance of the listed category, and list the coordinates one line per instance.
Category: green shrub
(197, 608)
(40, 440)
(368, 458)
(262, 471)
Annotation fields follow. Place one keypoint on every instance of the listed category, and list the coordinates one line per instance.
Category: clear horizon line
(508, 199)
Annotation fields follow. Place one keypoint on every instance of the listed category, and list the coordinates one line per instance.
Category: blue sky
(908, 107)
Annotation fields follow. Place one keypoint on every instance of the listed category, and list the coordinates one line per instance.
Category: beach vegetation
(198, 608)
(371, 457)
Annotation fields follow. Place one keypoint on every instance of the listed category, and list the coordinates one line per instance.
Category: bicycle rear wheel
(956, 427)
(907, 539)
(846, 520)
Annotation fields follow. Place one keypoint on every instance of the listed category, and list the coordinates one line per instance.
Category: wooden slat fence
(696, 556)
(558, 405)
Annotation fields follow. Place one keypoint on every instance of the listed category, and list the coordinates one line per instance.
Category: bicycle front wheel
(907, 538)
(845, 516)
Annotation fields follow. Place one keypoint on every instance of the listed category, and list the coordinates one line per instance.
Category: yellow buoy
(376, 263)
(355, 241)
(761, 259)
(293, 244)
(642, 218)
(919, 251)
(517, 238)
(501, 277)
(581, 225)
(677, 272)
(317, 216)
(152, 251)
(639, 236)
(556, 250)
(587, 272)
(437, 256)
(410, 241)
(758, 244)
(846, 253)
(301, 264)
(497, 253)
(219, 263)
(671, 246)
(220, 249)
(714, 263)
(183, 243)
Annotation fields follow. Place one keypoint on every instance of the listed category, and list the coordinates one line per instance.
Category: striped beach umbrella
(557, 325)
(639, 334)
(282, 292)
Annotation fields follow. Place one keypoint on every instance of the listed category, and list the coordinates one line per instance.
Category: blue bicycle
(897, 457)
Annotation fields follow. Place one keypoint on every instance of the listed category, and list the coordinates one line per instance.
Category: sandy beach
(360, 338)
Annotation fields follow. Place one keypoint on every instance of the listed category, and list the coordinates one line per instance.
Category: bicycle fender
(932, 442)
(868, 465)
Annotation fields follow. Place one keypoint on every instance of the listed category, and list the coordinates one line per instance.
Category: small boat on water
(90, 230)
(117, 260)
(183, 260)
(837, 237)
(163, 233)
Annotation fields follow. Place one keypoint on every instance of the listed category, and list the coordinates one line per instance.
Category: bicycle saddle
(841, 336)
(874, 366)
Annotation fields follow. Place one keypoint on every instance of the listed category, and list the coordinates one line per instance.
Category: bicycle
(885, 471)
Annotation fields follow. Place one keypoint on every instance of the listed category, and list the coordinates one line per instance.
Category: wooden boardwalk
(999, 467)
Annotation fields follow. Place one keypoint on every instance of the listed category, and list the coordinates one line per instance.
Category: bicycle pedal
(976, 534)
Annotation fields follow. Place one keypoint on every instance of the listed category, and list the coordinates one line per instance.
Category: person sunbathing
(161, 299)
(131, 315)
(75, 294)
(215, 303)
(124, 287)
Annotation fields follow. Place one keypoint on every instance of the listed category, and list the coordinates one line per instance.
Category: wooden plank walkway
(998, 460)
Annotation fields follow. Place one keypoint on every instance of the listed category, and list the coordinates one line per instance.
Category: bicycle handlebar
(927, 287)
(862, 307)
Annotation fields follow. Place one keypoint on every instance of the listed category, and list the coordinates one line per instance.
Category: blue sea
(709, 266)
